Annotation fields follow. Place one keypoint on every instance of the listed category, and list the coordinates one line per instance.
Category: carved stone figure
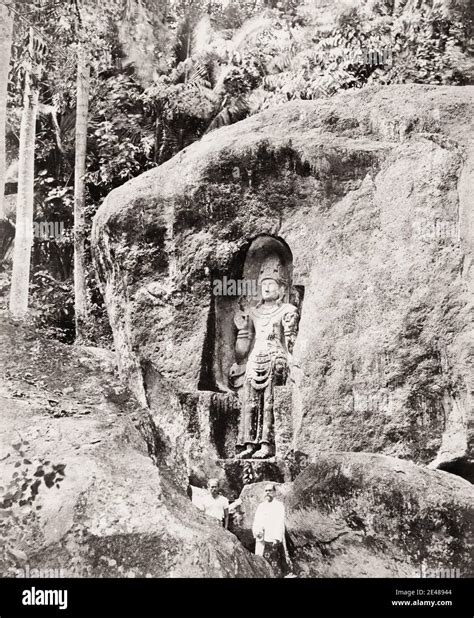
(265, 337)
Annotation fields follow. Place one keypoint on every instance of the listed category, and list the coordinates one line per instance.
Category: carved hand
(241, 320)
(242, 344)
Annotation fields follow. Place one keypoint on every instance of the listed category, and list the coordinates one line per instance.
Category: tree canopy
(165, 72)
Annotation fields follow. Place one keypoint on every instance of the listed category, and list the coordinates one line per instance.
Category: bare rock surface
(368, 515)
(113, 513)
(370, 190)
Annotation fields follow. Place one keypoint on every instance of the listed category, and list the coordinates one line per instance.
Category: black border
(245, 598)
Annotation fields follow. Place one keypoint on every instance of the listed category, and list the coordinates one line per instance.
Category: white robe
(269, 520)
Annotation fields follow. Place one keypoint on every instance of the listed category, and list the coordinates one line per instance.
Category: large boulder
(80, 490)
(368, 515)
(371, 191)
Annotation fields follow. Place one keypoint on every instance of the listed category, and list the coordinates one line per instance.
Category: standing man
(215, 505)
(269, 531)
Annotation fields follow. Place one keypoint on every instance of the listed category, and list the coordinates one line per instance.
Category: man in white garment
(269, 530)
(215, 505)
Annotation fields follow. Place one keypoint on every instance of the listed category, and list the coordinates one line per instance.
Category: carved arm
(242, 344)
(290, 328)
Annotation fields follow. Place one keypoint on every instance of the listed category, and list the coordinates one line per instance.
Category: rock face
(115, 514)
(371, 193)
(367, 515)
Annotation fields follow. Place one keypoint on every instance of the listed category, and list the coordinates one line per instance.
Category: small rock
(117, 395)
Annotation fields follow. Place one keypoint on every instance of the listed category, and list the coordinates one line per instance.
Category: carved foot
(263, 452)
(247, 453)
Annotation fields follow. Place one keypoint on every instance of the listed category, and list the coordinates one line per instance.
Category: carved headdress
(272, 268)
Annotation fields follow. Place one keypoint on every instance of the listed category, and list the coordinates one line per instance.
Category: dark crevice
(460, 467)
(206, 378)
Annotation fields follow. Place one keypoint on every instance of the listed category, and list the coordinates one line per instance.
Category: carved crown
(272, 268)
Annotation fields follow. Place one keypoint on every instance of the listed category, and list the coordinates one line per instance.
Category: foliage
(300, 51)
(165, 73)
(121, 136)
(20, 504)
(52, 304)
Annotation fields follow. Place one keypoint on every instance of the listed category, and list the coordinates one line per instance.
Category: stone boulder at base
(115, 514)
(367, 515)
(371, 191)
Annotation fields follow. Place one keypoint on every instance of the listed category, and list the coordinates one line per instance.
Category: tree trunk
(24, 208)
(80, 289)
(6, 30)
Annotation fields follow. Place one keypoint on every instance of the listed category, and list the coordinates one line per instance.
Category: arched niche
(219, 348)
(259, 250)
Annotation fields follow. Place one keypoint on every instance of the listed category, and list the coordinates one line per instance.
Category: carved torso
(265, 337)
(269, 349)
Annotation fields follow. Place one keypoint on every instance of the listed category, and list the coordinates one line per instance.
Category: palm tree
(193, 98)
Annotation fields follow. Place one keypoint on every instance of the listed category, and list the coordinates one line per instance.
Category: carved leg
(248, 419)
(267, 432)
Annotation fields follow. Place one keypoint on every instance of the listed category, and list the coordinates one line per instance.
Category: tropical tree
(25, 197)
(90, 38)
(84, 27)
(214, 71)
(6, 30)
(31, 60)
(162, 73)
(82, 104)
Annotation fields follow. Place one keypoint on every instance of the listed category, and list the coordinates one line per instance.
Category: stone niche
(218, 397)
